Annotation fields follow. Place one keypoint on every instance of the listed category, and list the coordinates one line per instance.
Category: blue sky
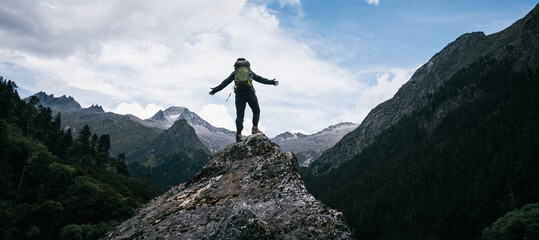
(335, 60)
(398, 32)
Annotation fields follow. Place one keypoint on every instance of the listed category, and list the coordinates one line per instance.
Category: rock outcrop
(249, 190)
(59, 104)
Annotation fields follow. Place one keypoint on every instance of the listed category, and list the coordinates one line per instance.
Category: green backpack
(243, 77)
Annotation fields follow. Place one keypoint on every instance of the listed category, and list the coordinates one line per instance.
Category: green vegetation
(54, 186)
(517, 224)
(125, 134)
(171, 158)
(448, 170)
(171, 170)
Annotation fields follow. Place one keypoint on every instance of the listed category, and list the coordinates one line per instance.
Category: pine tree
(84, 139)
(93, 143)
(121, 166)
(103, 144)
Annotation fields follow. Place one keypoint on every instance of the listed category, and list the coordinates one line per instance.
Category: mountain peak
(169, 114)
(249, 190)
(94, 109)
(213, 137)
(62, 103)
(159, 116)
(286, 136)
(339, 126)
(469, 37)
(175, 109)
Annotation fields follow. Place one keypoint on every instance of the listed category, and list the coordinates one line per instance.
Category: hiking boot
(238, 138)
(255, 130)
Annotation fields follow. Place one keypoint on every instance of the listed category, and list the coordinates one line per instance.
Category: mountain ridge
(63, 103)
(413, 95)
(75, 117)
(308, 147)
(214, 138)
(166, 157)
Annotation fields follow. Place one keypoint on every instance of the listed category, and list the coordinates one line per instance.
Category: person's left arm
(263, 80)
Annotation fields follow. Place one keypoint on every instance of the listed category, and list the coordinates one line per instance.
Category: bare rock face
(249, 190)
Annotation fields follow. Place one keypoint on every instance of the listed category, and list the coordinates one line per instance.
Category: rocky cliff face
(62, 103)
(249, 190)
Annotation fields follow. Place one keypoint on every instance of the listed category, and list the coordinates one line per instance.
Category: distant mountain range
(166, 157)
(139, 139)
(127, 130)
(128, 133)
(308, 147)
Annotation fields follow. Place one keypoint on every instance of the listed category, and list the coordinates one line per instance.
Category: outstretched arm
(225, 83)
(260, 79)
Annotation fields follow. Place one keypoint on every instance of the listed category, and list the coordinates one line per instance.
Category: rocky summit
(249, 190)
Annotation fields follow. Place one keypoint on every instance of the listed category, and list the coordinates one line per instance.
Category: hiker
(245, 93)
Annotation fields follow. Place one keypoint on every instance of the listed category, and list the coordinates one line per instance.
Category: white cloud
(137, 110)
(385, 87)
(375, 2)
(169, 53)
(217, 115)
(289, 2)
(388, 83)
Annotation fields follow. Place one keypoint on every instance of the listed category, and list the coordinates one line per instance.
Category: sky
(334, 60)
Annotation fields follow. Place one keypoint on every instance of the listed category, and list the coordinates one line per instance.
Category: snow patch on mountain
(213, 137)
(308, 147)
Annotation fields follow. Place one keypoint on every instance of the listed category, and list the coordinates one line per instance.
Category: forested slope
(54, 186)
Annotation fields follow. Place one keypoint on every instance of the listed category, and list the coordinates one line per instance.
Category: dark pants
(241, 101)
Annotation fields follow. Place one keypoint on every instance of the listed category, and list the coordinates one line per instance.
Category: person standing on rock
(245, 93)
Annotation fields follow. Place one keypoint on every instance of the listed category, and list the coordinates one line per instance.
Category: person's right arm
(225, 83)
